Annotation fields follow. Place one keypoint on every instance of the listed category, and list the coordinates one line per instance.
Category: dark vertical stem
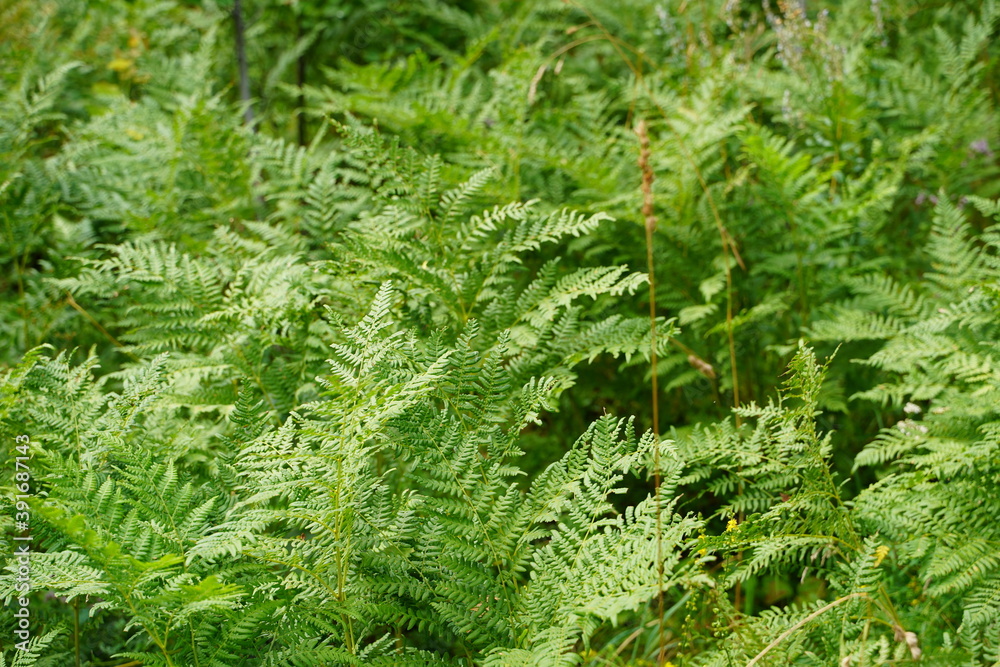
(300, 81)
(241, 60)
(76, 631)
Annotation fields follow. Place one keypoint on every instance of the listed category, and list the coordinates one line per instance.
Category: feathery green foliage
(357, 370)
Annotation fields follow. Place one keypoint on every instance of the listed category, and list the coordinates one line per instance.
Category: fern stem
(650, 225)
(78, 308)
(76, 632)
(788, 633)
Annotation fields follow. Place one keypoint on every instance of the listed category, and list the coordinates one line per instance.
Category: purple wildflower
(981, 147)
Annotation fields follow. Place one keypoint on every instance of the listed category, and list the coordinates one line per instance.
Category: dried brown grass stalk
(649, 219)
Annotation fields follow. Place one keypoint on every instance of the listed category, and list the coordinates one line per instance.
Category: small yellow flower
(731, 526)
(120, 65)
(134, 134)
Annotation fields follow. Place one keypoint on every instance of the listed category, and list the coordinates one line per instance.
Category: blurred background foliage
(794, 148)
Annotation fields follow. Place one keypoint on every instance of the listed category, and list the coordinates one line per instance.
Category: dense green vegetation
(330, 330)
